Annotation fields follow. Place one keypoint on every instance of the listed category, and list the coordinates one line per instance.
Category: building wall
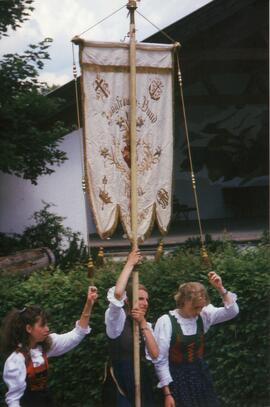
(210, 197)
(19, 199)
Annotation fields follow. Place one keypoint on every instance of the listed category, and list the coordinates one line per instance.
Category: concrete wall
(19, 199)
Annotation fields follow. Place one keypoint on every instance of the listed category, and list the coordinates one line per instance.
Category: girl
(118, 320)
(182, 372)
(26, 337)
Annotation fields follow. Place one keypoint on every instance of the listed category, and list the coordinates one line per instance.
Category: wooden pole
(135, 282)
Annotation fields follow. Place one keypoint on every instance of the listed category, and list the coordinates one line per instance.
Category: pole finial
(132, 5)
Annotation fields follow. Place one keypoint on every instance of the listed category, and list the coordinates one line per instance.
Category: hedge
(236, 350)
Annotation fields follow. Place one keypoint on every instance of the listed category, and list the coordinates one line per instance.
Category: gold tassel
(205, 257)
(160, 250)
(100, 257)
(90, 267)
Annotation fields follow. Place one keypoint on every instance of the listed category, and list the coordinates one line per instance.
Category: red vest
(36, 377)
(186, 348)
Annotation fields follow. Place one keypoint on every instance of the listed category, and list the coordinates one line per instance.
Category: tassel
(160, 250)
(100, 257)
(205, 257)
(90, 267)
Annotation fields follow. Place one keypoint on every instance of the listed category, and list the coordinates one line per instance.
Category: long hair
(192, 291)
(14, 336)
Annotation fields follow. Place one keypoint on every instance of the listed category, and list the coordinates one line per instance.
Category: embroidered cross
(101, 87)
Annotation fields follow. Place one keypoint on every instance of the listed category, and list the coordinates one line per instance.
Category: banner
(106, 104)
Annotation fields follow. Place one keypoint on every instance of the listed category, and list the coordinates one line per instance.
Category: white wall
(19, 199)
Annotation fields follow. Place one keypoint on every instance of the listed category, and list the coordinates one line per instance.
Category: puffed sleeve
(212, 315)
(65, 342)
(14, 376)
(113, 300)
(115, 315)
(163, 332)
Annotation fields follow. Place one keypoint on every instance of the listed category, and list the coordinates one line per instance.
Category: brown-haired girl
(118, 320)
(28, 342)
(183, 374)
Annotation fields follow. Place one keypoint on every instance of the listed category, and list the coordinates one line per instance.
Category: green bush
(236, 351)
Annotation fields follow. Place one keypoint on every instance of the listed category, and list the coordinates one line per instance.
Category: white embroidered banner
(106, 105)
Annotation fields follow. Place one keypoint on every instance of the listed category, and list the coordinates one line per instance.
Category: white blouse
(14, 374)
(163, 330)
(115, 317)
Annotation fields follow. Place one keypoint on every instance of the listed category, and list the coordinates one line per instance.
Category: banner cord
(75, 76)
(101, 21)
(116, 11)
(204, 253)
(162, 31)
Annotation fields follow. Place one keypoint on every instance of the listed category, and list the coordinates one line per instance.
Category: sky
(62, 20)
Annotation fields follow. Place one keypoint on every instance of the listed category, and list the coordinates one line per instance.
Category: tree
(13, 12)
(29, 133)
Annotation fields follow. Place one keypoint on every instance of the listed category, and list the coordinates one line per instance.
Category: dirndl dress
(192, 384)
(36, 393)
(121, 355)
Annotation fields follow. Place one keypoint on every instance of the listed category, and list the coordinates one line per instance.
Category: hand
(92, 294)
(169, 401)
(134, 257)
(215, 280)
(138, 314)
